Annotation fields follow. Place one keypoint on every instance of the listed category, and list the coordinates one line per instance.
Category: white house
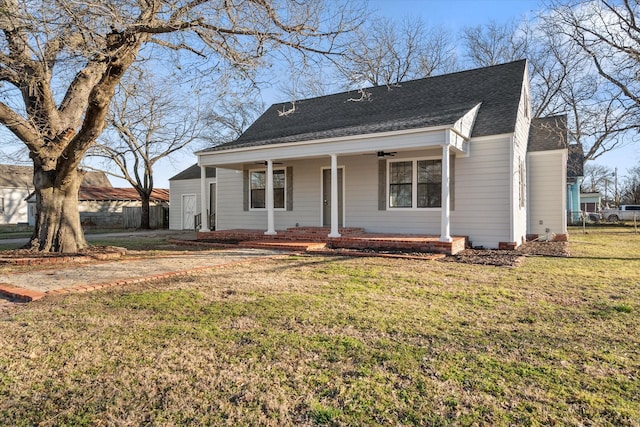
(444, 156)
(16, 184)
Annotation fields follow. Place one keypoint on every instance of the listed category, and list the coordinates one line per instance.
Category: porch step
(315, 238)
(285, 245)
(323, 231)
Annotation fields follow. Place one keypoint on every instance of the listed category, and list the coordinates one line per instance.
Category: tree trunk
(58, 226)
(144, 218)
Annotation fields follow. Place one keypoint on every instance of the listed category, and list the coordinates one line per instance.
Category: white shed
(185, 200)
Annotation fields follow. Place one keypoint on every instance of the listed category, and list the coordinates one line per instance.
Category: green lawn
(307, 340)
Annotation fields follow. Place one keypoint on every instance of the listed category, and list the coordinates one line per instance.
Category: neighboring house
(444, 156)
(185, 192)
(548, 168)
(591, 202)
(16, 184)
(575, 176)
(104, 206)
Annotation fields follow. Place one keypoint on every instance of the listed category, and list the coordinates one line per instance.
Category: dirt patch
(501, 258)
(29, 257)
(510, 258)
(550, 249)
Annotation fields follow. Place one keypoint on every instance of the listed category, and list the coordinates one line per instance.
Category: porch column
(334, 197)
(445, 219)
(271, 229)
(204, 218)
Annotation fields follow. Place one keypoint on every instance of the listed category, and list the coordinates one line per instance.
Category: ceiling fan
(265, 163)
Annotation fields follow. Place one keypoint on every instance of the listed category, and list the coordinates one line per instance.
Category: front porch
(315, 238)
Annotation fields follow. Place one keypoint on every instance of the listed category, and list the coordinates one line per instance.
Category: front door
(326, 198)
(188, 211)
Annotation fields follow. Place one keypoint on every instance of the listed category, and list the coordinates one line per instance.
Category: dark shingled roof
(14, 176)
(98, 179)
(548, 133)
(119, 194)
(432, 101)
(193, 172)
(575, 161)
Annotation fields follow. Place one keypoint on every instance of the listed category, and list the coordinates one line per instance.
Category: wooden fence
(158, 217)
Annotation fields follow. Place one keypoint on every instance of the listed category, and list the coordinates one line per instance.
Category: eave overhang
(456, 134)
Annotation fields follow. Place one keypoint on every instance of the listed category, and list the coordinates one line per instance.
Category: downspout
(512, 216)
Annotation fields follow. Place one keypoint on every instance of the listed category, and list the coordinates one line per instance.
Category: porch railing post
(271, 229)
(334, 197)
(203, 198)
(445, 219)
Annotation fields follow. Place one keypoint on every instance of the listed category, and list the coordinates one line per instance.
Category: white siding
(306, 199)
(547, 192)
(519, 152)
(361, 197)
(177, 188)
(15, 206)
(483, 193)
(481, 205)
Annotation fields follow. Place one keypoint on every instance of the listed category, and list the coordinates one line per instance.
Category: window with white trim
(401, 184)
(1, 204)
(415, 184)
(429, 183)
(258, 199)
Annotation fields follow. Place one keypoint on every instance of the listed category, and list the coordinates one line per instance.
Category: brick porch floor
(310, 238)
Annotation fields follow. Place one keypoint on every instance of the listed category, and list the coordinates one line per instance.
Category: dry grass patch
(336, 341)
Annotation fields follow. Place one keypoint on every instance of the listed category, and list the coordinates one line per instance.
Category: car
(624, 213)
(595, 217)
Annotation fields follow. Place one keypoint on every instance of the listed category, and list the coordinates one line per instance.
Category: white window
(415, 184)
(1, 204)
(401, 184)
(429, 183)
(259, 189)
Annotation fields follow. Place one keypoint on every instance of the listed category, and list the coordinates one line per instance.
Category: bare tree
(563, 80)
(229, 116)
(630, 190)
(609, 33)
(597, 45)
(493, 44)
(146, 123)
(384, 53)
(61, 60)
(305, 78)
(596, 177)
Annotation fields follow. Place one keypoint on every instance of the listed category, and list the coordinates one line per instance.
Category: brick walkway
(68, 278)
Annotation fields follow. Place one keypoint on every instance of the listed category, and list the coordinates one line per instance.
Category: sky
(452, 15)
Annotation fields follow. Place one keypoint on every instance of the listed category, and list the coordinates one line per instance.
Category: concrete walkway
(69, 277)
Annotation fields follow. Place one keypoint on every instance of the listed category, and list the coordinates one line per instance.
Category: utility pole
(615, 176)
